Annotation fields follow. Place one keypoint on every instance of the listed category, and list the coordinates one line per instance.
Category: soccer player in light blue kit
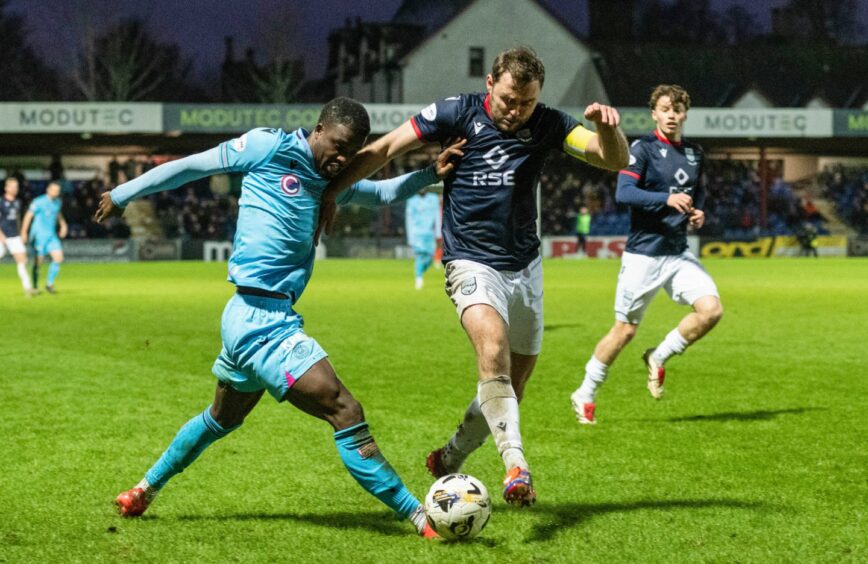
(422, 218)
(264, 345)
(44, 217)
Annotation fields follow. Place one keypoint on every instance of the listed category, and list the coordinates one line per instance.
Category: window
(477, 61)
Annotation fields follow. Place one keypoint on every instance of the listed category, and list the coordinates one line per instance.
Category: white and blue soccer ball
(458, 506)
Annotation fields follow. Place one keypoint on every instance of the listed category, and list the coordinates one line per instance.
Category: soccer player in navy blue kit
(265, 347)
(10, 234)
(490, 246)
(663, 187)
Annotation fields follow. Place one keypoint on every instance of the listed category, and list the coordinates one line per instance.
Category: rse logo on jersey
(495, 157)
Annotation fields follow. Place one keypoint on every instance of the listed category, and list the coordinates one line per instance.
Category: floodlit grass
(758, 452)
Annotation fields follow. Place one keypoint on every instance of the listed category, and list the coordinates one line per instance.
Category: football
(458, 506)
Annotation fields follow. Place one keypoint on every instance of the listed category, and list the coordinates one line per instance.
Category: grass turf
(757, 453)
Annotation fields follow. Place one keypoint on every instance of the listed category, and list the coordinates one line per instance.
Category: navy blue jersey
(9, 212)
(657, 169)
(489, 204)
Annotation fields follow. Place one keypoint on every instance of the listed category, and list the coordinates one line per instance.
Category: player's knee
(625, 332)
(349, 412)
(711, 313)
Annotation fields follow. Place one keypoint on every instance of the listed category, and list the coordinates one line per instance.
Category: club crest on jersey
(468, 286)
(524, 135)
(691, 157)
(430, 112)
(290, 185)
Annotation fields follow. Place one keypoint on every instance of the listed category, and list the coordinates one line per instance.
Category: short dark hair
(522, 63)
(677, 95)
(348, 112)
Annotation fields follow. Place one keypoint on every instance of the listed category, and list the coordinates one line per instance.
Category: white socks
(595, 374)
(468, 437)
(498, 403)
(25, 278)
(673, 344)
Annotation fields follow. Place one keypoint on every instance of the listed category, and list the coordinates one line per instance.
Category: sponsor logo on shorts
(468, 286)
(290, 185)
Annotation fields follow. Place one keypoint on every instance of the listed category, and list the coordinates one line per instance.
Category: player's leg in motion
(16, 249)
(497, 398)
(53, 269)
(688, 284)
(21, 265)
(223, 416)
(638, 283)
(422, 261)
(320, 393)
(34, 271)
(473, 430)
(707, 311)
(597, 369)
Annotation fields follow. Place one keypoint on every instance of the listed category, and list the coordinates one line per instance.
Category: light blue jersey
(43, 229)
(264, 345)
(279, 205)
(422, 218)
(45, 212)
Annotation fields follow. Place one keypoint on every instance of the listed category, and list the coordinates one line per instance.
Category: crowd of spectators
(208, 208)
(847, 189)
(732, 204)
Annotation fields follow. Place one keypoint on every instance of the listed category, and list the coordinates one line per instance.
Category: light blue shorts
(264, 346)
(45, 244)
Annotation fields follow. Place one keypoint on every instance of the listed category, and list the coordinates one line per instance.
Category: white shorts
(682, 276)
(517, 297)
(14, 246)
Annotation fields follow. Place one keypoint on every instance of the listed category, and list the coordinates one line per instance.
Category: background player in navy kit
(663, 187)
(490, 246)
(10, 236)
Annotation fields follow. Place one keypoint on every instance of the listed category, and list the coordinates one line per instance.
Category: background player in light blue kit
(422, 217)
(264, 345)
(44, 217)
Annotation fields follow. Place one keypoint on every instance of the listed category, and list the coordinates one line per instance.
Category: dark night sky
(199, 26)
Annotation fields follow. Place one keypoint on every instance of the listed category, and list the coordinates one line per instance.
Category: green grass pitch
(758, 453)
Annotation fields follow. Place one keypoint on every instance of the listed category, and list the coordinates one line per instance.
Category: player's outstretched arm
(370, 193)
(608, 147)
(167, 176)
(366, 162)
(25, 225)
(63, 230)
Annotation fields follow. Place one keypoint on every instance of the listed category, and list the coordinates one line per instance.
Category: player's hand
(448, 159)
(106, 209)
(602, 115)
(328, 209)
(63, 231)
(697, 219)
(681, 202)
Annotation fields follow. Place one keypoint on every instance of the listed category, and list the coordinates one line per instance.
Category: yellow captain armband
(577, 142)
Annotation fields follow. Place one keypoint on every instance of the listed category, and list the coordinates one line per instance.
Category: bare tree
(829, 19)
(279, 79)
(25, 75)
